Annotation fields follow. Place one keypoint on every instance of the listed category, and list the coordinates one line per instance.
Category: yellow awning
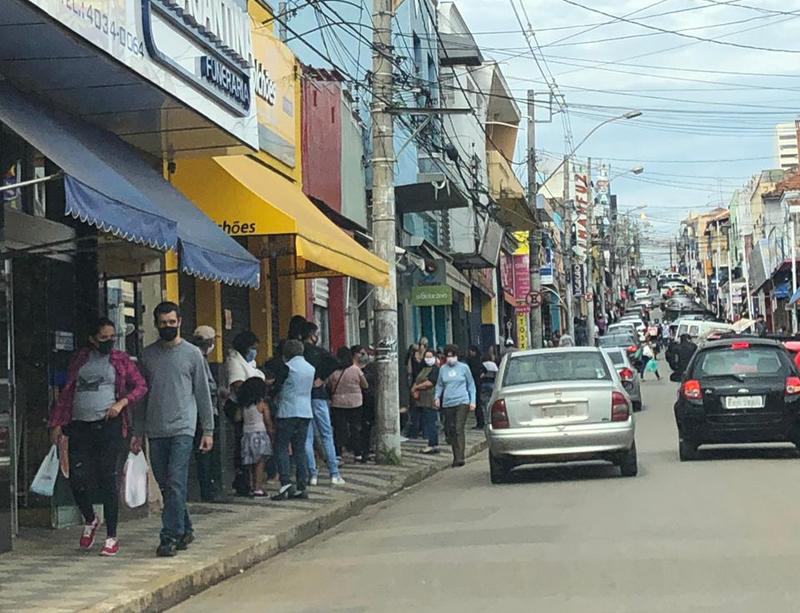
(248, 199)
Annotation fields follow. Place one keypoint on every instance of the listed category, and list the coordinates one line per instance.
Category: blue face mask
(251, 355)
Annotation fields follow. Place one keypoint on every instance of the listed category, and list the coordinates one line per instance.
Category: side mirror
(676, 377)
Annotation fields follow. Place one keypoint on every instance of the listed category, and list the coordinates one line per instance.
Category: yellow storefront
(258, 199)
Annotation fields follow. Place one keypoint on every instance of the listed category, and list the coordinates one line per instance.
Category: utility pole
(794, 269)
(589, 255)
(746, 270)
(282, 33)
(716, 269)
(568, 250)
(387, 418)
(534, 237)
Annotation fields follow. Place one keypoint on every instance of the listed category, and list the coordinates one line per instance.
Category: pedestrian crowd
(303, 399)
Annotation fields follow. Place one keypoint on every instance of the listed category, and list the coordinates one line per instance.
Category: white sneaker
(337, 480)
(313, 480)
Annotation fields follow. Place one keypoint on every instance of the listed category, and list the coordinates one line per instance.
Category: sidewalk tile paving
(47, 573)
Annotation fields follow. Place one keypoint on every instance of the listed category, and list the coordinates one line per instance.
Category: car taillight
(619, 407)
(740, 345)
(632, 349)
(626, 374)
(691, 390)
(499, 415)
(792, 386)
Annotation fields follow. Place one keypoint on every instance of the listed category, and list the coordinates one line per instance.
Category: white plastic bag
(135, 480)
(45, 480)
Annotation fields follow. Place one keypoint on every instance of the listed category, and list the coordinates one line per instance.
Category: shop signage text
(265, 86)
(432, 295)
(206, 43)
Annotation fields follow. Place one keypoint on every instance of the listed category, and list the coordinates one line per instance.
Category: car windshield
(616, 340)
(744, 362)
(566, 366)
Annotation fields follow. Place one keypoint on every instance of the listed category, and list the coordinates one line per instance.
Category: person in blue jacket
(455, 395)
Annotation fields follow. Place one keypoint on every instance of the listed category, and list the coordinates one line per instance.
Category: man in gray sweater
(178, 395)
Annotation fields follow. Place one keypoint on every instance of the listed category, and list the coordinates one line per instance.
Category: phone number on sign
(101, 21)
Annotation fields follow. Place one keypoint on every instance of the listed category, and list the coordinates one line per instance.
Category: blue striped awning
(111, 186)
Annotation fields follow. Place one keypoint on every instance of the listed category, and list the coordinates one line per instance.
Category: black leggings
(347, 430)
(94, 449)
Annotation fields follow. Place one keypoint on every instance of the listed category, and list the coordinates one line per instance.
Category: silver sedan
(559, 405)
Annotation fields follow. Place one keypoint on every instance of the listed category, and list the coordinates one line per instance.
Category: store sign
(432, 295)
(581, 210)
(546, 275)
(522, 331)
(578, 281)
(275, 79)
(522, 279)
(198, 51)
(204, 42)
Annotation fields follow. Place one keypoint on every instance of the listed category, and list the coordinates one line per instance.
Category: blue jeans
(321, 424)
(430, 426)
(170, 457)
(292, 431)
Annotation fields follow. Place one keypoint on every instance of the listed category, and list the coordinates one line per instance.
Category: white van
(700, 329)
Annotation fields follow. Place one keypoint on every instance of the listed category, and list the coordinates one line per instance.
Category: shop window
(21, 162)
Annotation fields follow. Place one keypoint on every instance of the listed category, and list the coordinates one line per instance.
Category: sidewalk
(47, 573)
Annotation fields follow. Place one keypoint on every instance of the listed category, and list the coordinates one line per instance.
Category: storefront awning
(110, 186)
(248, 199)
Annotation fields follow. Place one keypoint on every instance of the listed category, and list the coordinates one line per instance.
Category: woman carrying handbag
(91, 411)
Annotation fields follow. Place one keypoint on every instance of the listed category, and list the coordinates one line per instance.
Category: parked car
(559, 405)
(623, 327)
(640, 293)
(638, 323)
(738, 390)
(629, 376)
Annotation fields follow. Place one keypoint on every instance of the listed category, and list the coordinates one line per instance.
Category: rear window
(616, 357)
(616, 340)
(750, 362)
(544, 367)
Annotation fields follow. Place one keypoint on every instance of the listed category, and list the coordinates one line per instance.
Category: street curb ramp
(174, 588)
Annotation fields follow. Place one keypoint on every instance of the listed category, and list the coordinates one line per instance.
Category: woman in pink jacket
(91, 411)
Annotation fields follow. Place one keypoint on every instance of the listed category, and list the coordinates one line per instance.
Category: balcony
(507, 190)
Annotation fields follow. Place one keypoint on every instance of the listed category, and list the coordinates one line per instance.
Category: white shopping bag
(135, 480)
(45, 480)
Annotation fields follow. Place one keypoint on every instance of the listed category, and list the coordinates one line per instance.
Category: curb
(173, 589)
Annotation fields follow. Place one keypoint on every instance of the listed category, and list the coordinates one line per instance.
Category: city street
(715, 535)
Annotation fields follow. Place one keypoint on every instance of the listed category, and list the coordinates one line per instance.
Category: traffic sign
(534, 299)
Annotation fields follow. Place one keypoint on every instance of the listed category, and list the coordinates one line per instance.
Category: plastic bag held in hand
(45, 480)
(135, 480)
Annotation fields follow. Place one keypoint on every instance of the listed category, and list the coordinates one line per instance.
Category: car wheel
(637, 406)
(499, 469)
(687, 450)
(629, 464)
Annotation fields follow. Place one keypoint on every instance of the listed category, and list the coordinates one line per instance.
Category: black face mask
(168, 333)
(105, 347)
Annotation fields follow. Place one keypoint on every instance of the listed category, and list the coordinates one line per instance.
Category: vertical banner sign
(578, 280)
(522, 279)
(522, 330)
(581, 210)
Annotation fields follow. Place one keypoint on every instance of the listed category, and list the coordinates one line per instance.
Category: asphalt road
(721, 534)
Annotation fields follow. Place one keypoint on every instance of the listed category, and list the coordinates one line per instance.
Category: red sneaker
(89, 530)
(110, 548)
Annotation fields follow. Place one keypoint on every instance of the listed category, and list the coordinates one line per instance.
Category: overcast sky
(709, 108)
(703, 103)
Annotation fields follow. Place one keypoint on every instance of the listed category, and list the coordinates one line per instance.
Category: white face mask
(209, 349)
(452, 360)
(430, 361)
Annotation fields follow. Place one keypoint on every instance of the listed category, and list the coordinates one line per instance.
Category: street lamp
(628, 115)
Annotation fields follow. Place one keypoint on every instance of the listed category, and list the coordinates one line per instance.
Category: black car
(738, 390)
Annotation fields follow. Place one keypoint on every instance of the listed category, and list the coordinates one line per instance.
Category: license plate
(559, 412)
(744, 402)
